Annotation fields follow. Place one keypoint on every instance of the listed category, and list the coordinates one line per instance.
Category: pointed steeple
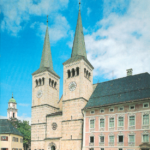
(46, 60)
(79, 44)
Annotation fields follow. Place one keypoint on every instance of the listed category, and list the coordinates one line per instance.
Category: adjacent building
(117, 115)
(10, 137)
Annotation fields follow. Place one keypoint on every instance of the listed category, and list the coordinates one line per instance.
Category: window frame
(118, 121)
(103, 110)
(100, 123)
(131, 106)
(109, 138)
(109, 122)
(90, 138)
(120, 107)
(134, 120)
(143, 120)
(129, 138)
(143, 138)
(144, 104)
(90, 123)
(111, 108)
(100, 138)
(118, 138)
(93, 112)
(6, 138)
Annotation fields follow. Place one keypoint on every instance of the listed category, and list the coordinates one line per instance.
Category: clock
(39, 94)
(72, 86)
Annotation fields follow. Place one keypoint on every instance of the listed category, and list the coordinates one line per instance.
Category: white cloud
(3, 117)
(15, 12)
(122, 42)
(58, 30)
(88, 11)
(23, 104)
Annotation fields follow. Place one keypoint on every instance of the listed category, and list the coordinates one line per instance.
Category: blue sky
(117, 38)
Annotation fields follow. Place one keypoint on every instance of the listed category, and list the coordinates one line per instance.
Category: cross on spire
(47, 20)
(79, 4)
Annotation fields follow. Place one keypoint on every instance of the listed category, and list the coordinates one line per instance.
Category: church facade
(88, 116)
(58, 124)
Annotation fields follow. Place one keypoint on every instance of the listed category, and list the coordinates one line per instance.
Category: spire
(79, 44)
(12, 94)
(46, 60)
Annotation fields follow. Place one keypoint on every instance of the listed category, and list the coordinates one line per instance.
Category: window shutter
(6, 138)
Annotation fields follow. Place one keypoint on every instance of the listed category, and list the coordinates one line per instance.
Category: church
(72, 123)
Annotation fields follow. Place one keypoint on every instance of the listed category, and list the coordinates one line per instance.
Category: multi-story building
(117, 115)
(10, 137)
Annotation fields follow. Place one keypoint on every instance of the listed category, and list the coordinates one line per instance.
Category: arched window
(84, 72)
(39, 81)
(87, 73)
(89, 76)
(42, 81)
(69, 73)
(77, 71)
(50, 81)
(36, 82)
(73, 72)
(55, 85)
(13, 115)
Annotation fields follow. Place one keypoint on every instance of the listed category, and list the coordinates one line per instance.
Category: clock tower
(78, 87)
(45, 94)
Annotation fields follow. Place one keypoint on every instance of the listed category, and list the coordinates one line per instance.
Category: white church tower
(12, 108)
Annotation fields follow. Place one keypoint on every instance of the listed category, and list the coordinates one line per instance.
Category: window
(120, 149)
(132, 121)
(131, 138)
(4, 138)
(102, 123)
(13, 139)
(111, 139)
(132, 107)
(102, 148)
(120, 138)
(145, 138)
(92, 123)
(92, 112)
(91, 149)
(146, 119)
(101, 139)
(91, 139)
(145, 105)
(111, 109)
(21, 140)
(120, 121)
(121, 108)
(102, 110)
(111, 122)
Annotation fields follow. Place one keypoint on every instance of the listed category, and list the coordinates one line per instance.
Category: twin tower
(58, 124)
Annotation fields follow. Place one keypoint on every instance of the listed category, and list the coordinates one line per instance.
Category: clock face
(72, 86)
(39, 94)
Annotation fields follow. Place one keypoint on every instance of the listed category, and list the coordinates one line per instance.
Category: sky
(117, 37)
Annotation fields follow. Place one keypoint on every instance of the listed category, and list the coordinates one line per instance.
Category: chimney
(129, 72)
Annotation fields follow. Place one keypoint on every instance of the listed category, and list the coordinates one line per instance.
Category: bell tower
(45, 94)
(78, 87)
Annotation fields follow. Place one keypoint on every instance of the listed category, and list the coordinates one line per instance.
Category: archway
(53, 148)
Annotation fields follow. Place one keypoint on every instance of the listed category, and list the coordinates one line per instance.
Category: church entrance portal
(53, 148)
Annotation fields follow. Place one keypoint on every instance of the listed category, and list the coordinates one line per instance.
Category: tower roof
(79, 44)
(46, 60)
(12, 100)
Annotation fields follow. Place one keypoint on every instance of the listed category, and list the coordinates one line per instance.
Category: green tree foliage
(25, 129)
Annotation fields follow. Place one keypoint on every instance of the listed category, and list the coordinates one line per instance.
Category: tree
(25, 129)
